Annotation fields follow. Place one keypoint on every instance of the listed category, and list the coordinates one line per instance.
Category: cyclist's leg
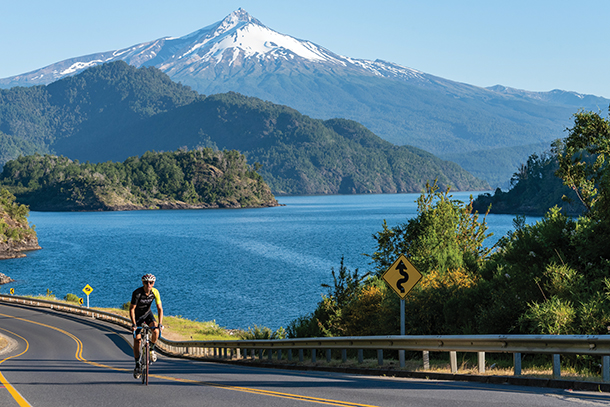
(137, 343)
(151, 322)
(137, 340)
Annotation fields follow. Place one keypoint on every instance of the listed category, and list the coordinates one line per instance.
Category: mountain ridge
(405, 106)
(115, 111)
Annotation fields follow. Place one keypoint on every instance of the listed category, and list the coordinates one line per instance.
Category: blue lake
(240, 267)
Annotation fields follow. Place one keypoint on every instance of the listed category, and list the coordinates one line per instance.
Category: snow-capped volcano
(237, 41)
(242, 35)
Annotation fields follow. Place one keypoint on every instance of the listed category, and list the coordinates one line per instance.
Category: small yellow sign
(12, 291)
(80, 301)
(402, 276)
(87, 290)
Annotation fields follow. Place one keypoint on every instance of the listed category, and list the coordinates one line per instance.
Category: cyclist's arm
(132, 314)
(159, 305)
(160, 311)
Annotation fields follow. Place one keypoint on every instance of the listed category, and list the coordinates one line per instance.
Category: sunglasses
(148, 282)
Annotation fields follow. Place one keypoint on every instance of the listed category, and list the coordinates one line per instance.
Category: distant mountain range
(487, 131)
(115, 111)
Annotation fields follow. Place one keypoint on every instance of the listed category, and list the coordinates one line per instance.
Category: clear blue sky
(536, 45)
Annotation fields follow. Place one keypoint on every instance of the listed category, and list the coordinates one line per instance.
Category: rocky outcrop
(4, 279)
(16, 235)
(13, 250)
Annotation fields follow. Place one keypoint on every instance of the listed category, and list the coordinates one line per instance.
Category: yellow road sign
(80, 301)
(87, 290)
(402, 276)
(12, 291)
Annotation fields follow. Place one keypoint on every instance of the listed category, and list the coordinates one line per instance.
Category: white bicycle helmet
(148, 277)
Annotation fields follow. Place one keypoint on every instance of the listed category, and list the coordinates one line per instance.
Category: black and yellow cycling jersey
(143, 303)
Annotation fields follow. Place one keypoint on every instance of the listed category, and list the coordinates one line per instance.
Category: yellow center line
(79, 356)
(16, 395)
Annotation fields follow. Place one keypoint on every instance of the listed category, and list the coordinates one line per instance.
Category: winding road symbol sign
(87, 290)
(402, 276)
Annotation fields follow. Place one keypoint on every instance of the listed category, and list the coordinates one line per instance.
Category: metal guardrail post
(344, 355)
(401, 358)
(270, 355)
(380, 357)
(556, 366)
(328, 355)
(606, 368)
(453, 361)
(360, 356)
(517, 363)
(279, 354)
(301, 356)
(426, 357)
(313, 356)
(290, 355)
(481, 358)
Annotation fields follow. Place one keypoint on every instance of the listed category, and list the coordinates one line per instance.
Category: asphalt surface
(63, 360)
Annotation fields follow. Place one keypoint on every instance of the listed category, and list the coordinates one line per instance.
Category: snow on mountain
(237, 40)
(554, 96)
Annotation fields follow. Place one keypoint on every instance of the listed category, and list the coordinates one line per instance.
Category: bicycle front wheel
(146, 364)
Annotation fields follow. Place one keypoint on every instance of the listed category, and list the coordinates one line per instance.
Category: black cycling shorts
(147, 317)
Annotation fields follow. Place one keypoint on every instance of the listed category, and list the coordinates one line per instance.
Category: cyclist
(140, 311)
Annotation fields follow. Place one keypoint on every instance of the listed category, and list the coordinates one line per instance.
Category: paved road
(63, 360)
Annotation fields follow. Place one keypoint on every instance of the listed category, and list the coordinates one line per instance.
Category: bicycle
(145, 331)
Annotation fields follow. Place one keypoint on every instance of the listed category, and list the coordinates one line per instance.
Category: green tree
(446, 234)
(583, 162)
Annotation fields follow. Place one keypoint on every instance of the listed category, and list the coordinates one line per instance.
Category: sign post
(402, 276)
(87, 290)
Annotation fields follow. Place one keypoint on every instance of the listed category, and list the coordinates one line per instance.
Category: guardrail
(250, 349)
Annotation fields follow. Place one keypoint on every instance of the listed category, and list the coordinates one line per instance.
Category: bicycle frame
(145, 332)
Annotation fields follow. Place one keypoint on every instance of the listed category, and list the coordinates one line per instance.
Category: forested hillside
(115, 111)
(184, 179)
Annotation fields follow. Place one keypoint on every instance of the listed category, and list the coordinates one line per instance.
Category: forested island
(201, 178)
(535, 187)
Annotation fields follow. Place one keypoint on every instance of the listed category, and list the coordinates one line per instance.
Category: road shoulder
(7, 344)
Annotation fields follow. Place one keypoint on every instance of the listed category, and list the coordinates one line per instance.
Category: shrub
(262, 332)
(72, 298)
